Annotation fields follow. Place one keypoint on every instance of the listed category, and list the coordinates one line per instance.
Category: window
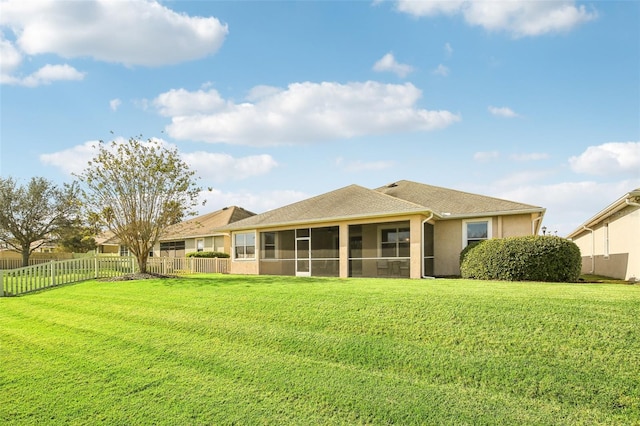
(124, 251)
(245, 245)
(172, 245)
(474, 231)
(200, 244)
(218, 244)
(269, 245)
(394, 242)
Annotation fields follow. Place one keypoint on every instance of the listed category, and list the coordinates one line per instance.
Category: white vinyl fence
(33, 278)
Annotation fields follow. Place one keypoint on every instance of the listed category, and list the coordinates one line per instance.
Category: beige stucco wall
(190, 244)
(623, 260)
(447, 241)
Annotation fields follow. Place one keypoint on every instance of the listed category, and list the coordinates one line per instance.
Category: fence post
(52, 271)
(1, 284)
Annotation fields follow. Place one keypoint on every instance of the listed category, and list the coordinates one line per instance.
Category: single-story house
(196, 234)
(404, 229)
(610, 240)
(199, 234)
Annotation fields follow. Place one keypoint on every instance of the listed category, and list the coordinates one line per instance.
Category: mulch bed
(137, 276)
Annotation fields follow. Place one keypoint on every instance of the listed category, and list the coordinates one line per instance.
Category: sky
(272, 102)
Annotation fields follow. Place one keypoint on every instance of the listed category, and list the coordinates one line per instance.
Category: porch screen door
(303, 253)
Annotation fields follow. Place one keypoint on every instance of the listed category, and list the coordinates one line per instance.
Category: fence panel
(18, 281)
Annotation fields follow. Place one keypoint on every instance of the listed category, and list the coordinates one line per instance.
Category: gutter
(422, 248)
(628, 202)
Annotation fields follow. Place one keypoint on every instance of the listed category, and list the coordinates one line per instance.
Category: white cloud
(10, 60)
(388, 63)
(568, 204)
(303, 113)
(135, 32)
(363, 166)
(532, 156)
(448, 50)
(180, 102)
(256, 202)
(208, 165)
(222, 167)
(441, 70)
(114, 104)
(608, 158)
(486, 155)
(73, 160)
(517, 17)
(502, 112)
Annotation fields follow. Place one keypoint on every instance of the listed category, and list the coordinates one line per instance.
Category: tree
(136, 189)
(76, 237)
(31, 215)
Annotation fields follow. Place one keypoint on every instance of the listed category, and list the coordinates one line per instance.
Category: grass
(272, 350)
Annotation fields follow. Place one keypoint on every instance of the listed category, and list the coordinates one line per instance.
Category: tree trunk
(142, 262)
(26, 252)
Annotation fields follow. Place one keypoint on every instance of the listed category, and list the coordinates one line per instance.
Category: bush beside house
(208, 254)
(530, 258)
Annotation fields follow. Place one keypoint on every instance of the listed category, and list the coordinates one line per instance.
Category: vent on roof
(392, 185)
(225, 208)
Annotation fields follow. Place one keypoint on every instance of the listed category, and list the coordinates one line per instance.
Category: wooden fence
(51, 274)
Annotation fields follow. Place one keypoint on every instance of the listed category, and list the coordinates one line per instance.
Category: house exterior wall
(448, 243)
(621, 233)
(211, 243)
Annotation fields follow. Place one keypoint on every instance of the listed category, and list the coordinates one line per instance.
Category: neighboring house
(610, 240)
(198, 234)
(108, 244)
(177, 240)
(405, 229)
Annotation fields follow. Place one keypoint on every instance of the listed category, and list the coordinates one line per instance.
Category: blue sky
(272, 102)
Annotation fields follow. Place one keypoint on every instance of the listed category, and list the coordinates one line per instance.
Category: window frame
(398, 229)
(246, 256)
(465, 229)
(272, 246)
(198, 241)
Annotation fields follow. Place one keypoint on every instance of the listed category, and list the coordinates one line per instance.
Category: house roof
(204, 225)
(196, 227)
(632, 196)
(352, 201)
(402, 197)
(447, 202)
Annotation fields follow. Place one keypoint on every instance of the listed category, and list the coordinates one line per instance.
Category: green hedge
(207, 254)
(532, 258)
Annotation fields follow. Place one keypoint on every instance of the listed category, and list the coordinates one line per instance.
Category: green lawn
(271, 350)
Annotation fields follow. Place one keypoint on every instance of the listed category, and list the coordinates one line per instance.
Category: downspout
(593, 247)
(422, 247)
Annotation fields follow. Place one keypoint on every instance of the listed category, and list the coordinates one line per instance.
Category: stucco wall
(623, 260)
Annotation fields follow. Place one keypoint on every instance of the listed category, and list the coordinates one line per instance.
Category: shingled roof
(204, 225)
(402, 197)
(352, 201)
(450, 202)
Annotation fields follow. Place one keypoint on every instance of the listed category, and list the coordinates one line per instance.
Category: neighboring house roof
(197, 227)
(403, 197)
(446, 202)
(107, 238)
(204, 225)
(632, 197)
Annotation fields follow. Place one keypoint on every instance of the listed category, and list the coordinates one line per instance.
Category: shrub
(208, 254)
(531, 258)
